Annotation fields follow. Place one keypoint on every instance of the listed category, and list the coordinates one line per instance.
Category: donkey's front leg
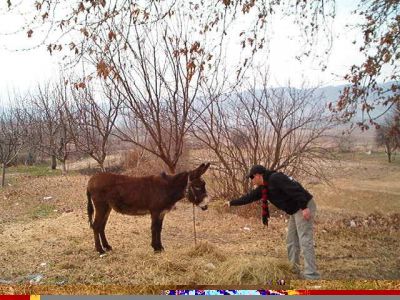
(156, 226)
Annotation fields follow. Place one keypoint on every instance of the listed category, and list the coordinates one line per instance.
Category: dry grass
(253, 271)
(52, 238)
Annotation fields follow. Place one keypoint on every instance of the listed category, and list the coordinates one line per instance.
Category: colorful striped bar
(345, 292)
(284, 292)
(255, 294)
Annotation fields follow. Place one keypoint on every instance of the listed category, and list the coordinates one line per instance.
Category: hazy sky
(285, 46)
(23, 69)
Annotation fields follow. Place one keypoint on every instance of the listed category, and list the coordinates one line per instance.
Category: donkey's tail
(90, 209)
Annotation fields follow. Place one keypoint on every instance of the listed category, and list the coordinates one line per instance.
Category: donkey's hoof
(102, 255)
(100, 251)
(159, 250)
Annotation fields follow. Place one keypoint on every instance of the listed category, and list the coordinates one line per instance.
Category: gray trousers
(300, 237)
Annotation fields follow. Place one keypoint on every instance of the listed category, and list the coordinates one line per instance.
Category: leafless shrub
(279, 128)
(132, 159)
(149, 165)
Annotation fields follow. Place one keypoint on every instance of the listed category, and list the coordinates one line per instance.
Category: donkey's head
(196, 188)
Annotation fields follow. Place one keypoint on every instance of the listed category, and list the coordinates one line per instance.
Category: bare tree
(159, 80)
(65, 138)
(279, 128)
(388, 133)
(13, 134)
(91, 120)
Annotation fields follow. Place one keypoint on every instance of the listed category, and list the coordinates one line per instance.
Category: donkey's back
(102, 181)
(105, 181)
(125, 194)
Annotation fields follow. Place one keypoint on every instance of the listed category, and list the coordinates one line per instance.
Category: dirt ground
(45, 237)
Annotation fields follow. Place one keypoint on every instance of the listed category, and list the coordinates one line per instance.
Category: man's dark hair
(257, 169)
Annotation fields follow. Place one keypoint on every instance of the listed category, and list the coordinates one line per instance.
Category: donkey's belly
(137, 212)
(127, 209)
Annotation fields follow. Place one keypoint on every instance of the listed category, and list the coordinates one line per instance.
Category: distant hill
(332, 93)
(361, 140)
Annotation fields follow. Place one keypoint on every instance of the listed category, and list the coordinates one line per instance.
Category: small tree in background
(345, 142)
(388, 133)
(13, 135)
(49, 128)
(91, 118)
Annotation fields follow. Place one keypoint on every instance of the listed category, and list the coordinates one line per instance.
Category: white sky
(285, 45)
(23, 69)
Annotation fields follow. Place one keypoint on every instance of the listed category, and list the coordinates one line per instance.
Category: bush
(131, 159)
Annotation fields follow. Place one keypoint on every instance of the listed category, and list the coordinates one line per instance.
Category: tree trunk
(172, 169)
(3, 175)
(63, 168)
(389, 153)
(53, 162)
(101, 164)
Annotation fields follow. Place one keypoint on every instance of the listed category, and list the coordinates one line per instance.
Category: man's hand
(227, 204)
(306, 214)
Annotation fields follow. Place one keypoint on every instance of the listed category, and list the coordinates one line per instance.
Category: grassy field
(35, 171)
(46, 240)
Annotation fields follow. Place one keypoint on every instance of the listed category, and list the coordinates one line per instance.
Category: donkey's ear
(203, 168)
(200, 170)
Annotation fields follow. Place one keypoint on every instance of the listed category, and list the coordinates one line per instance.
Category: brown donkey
(155, 195)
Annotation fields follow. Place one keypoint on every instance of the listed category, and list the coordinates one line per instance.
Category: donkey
(154, 195)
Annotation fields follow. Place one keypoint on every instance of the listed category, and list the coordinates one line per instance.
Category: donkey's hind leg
(101, 215)
(103, 239)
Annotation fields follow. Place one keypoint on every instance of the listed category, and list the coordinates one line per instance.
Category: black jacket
(283, 192)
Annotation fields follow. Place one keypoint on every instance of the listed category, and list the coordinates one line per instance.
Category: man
(289, 196)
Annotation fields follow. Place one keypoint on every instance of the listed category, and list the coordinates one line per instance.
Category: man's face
(257, 179)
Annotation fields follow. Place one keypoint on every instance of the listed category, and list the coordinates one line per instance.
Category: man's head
(256, 174)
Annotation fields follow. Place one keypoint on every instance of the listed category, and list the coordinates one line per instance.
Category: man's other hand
(306, 214)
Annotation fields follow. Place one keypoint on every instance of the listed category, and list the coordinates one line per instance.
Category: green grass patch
(43, 211)
(37, 170)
